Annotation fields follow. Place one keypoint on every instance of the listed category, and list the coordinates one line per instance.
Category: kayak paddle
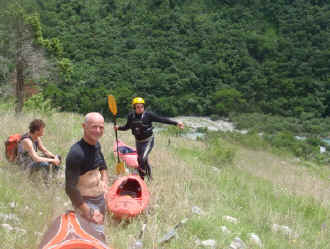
(120, 168)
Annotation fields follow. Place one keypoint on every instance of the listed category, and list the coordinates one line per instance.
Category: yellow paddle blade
(112, 104)
(120, 168)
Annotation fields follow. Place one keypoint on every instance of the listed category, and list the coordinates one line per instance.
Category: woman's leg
(44, 167)
(140, 150)
(145, 159)
(143, 150)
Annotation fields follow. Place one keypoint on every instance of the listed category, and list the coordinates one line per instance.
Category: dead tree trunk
(20, 64)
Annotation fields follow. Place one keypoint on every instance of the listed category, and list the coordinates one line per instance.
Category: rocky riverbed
(205, 122)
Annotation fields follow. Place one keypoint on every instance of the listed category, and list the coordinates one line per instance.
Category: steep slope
(259, 189)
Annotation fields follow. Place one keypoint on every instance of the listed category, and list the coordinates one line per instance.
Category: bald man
(86, 176)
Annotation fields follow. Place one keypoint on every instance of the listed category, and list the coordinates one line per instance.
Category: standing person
(27, 152)
(140, 122)
(86, 178)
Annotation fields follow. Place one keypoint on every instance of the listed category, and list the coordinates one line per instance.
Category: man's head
(93, 127)
(37, 127)
(138, 105)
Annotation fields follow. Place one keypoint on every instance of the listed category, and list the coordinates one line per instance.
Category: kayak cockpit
(130, 187)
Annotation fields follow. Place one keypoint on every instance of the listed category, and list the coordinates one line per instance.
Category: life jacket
(11, 146)
(141, 126)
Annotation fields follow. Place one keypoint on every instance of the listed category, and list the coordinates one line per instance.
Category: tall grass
(214, 176)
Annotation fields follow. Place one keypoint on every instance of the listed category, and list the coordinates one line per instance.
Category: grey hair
(88, 116)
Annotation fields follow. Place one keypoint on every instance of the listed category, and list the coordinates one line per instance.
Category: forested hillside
(191, 57)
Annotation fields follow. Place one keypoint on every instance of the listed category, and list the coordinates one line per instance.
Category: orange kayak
(127, 197)
(69, 232)
(126, 153)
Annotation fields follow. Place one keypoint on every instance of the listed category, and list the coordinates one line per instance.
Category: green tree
(228, 100)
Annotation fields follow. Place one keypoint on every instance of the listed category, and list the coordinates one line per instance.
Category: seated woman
(28, 146)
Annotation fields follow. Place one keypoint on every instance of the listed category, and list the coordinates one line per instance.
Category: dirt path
(287, 175)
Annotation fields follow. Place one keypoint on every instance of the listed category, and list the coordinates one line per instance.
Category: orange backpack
(11, 145)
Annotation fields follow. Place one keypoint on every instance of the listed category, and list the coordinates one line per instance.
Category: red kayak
(126, 153)
(127, 197)
(69, 232)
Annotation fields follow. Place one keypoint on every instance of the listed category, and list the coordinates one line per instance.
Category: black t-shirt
(82, 157)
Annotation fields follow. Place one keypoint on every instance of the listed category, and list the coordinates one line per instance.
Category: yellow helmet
(137, 100)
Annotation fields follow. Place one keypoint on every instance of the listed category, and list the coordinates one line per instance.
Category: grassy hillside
(258, 188)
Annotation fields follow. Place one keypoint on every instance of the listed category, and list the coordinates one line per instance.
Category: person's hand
(180, 125)
(97, 217)
(57, 161)
(86, 212)
(115, 127)
(93, 215)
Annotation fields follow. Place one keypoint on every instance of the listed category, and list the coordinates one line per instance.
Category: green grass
(219, 176)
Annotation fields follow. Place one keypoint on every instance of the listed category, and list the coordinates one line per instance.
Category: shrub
(39, 103)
